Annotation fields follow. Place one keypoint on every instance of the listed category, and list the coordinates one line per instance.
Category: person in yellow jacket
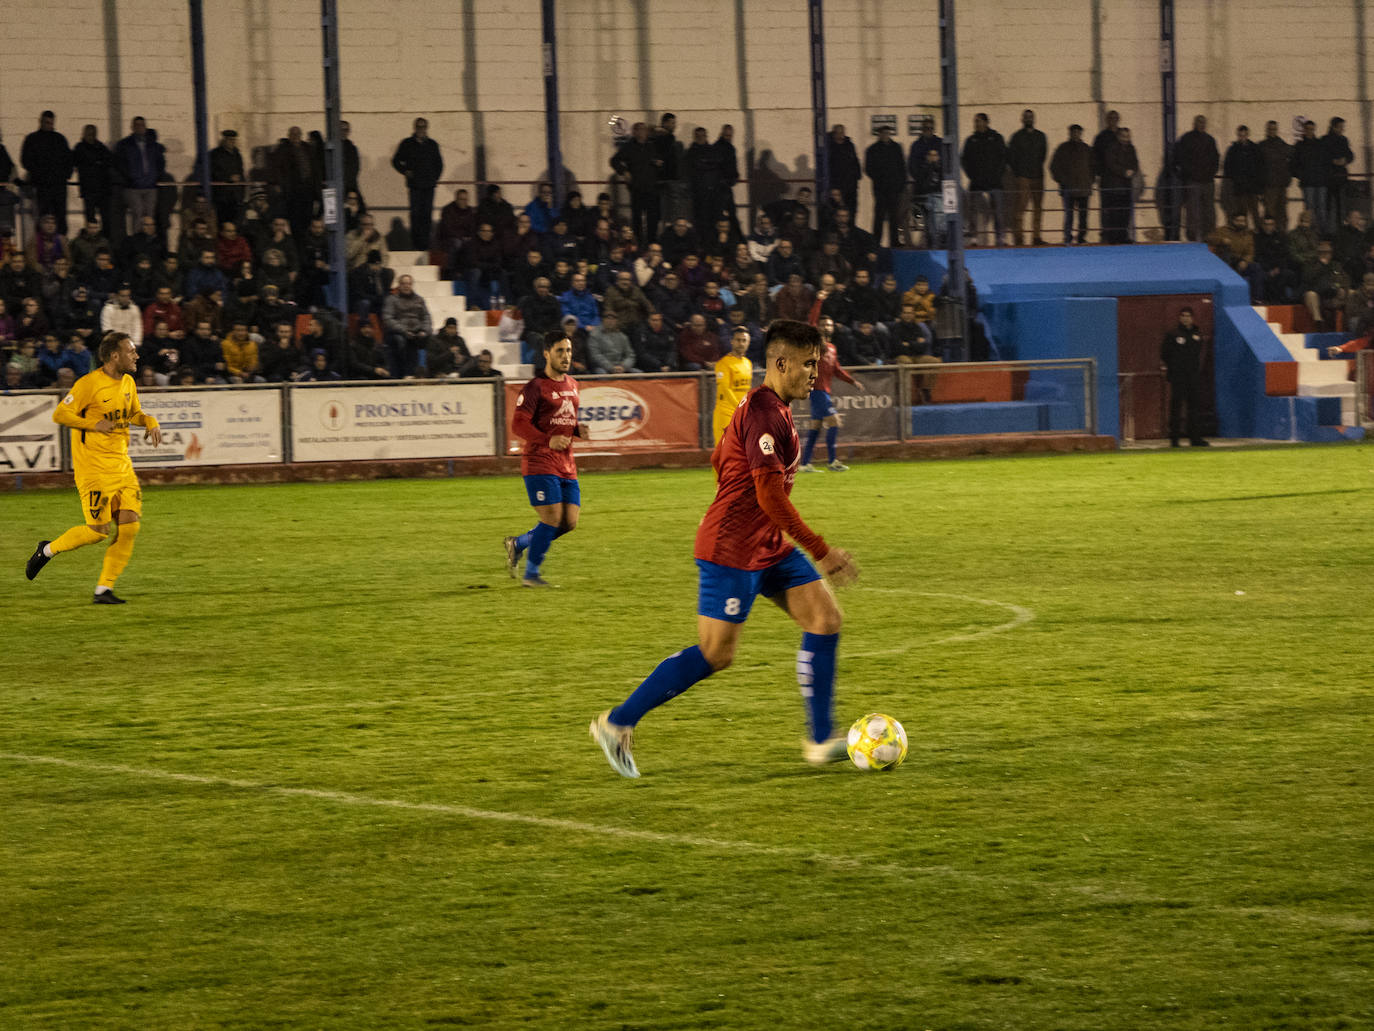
(99, 409)
(734, 379)
(240, 353)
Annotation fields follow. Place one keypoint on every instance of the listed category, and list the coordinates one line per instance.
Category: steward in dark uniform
(1180, 354)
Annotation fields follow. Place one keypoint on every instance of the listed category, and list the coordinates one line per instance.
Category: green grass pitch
(330, 767)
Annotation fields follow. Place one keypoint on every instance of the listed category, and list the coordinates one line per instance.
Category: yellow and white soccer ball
(877, 742)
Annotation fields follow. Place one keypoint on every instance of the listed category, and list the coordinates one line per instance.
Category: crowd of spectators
(657, 287)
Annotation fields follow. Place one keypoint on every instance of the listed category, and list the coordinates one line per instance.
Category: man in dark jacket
(1244, 169)
(842, 166)
(1275, 154)
(1308, 164)
(140, 161)
(1026, 157)
(417, 158)
(226, 166)
(1118, 188)
(542, 314)
(984, 160)
(1180, 356)
(1072, 168)
(637, 161)
(703, 174)
(925, 165)
(1338, 155)
(883, 164)
(47, 160)
(672, 191)
(94, 165)
(1196, 160)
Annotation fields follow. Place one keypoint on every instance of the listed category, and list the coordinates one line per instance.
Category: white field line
(1019, 613)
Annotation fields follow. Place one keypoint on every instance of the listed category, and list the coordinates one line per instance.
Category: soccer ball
(877, 742)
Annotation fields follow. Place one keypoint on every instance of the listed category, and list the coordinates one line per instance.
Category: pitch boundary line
(1021, 615)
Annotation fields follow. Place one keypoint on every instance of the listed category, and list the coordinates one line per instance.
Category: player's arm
(835, 563)
(152, 430)
(839, 371)
(522, 422)
(69, 412)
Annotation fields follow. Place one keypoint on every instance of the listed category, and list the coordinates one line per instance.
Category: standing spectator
(1351, 244)
(46, 245)
(369, 285)
(638, 163)
(352, 163)
(406, 320)
(1180, 356)
(842, 166)
(47, 159)
(95, 174)
(1275, 155)
(1118, 188)
(729, 176)
(1244, 169)
(9, 197)
(1026, 157)
(673, 195)
(925, 163)
(1072, 168)
(542, 210)
(1308, 164)
(984, 160)
(141, 161)
(457, 224)
(293, 174)
(481, 263)
(1196, 160)
(1280, 274)
(226, 166)
(884, 166)
(703, 172)
(1338, 156)
(121, 315)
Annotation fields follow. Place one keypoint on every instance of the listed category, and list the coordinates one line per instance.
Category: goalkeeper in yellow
(100, 408)
(734, 379)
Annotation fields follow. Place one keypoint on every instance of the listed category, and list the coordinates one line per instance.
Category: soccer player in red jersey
(741, 552)
(822, 404)
(546, 420)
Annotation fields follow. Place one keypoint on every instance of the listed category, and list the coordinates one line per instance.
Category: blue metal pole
(336, 293)
(816, 19)
(551, 113)
(954, 220)
(198, 89)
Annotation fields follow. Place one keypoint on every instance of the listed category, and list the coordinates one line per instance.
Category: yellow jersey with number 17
(101, 456)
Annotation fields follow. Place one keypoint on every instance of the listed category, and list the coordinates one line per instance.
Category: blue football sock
(523, 541)
(809, 446)
(830, 435)
(816, 676)
(672, 676)
(540, 539)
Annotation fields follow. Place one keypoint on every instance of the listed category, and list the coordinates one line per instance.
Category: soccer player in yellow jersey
(100, 408)
(734, 379)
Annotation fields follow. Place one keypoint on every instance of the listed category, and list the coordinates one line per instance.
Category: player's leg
(799, 590)
(818, 403)
(538, 538)
(95, 504)
(832, 433)
(126, 512)
(546, 498)
(724, 598)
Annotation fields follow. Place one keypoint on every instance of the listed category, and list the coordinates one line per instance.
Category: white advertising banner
(336, 423)
(30, 442)
(210, 427)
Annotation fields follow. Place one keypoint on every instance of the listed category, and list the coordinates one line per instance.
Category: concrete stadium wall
(473, 67)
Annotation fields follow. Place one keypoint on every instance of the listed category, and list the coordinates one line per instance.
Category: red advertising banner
(627, 414)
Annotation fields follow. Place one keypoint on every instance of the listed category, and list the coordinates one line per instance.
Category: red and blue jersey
(546, 408)
(829, 366)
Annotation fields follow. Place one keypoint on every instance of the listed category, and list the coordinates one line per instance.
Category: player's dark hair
(552, 339)
(109, 345)
(790, 333)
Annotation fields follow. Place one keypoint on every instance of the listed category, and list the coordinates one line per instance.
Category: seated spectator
(22, 371)
(29, 322)
(626, 236)
(407, 327)
(82, 247)
(239, 353)
(196, 239)
(231, 250)
(522, 277)
(830, 262)
(781, 263)
(603, 238)
(56, 287)
(369, 285)
(562, 244)
(496, 211)
(482, 265)
(786, 209)
(367, 357)
(520, 239)
(457, 225)
(202, 354)
(18, 280)
(608, 349)
(170, 275)
(793, 301)
(361, 242)
(322, 333)
(51, 360)
(160, 353)
(575, 213)
(889, 299)
(46, 245)
(318, 371)
(909, 344)
(674, 302)
(1235, 245)
(712, 305)
(542, 210)
(282, 358)
(627, 301)
(1351, 244)
(864, 302)
(543, 314)
(313, 277)
(578, 336)
(649, 268)
(121, 315)
(677, 241)
(1324, 286)
(865, 345)
(481, 367)
(271, 310)
(244, 294)
(692, 274)
(280, 239)
(274, 272)
(560, 277)
(208, 306)
(799, 233)
(1359, 308)
(656, 345)
(511, 328)
(164, 309)
(76, 356)
(857, 246)
(102, 278)
(448, 352)
(80, 317)
(1303, 240)
(721, 240)
(697, 347)
(6, 325)
(580, 303)
(206, 275)
(757, 301)
(922, 299)
(762, 240)
(742, 268)
(141, 280)
(734, 320)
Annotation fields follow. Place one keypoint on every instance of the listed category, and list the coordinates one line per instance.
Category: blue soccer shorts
(822, 405)
(727, 593)
(552, 490)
